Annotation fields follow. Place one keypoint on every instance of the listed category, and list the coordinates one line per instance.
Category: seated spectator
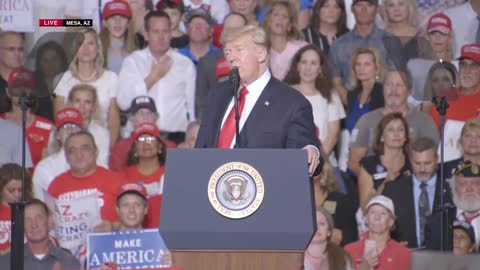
(396, 89)
(390, 161)
(366, 94)
(20, 83)
(190, 135)
(321, 253)
(328, 22)
(117, 39)
(441, 80)
(199, 30)
(146, 160)
(142, 110)
(437, 48)
(39, 251)
(10, 191)
(341, 206)
(68, 120)
(176, 11)
(87, 67)
(283, 36)
(365, 34)
(418, 193)
(378, 251)
(131, 206)
(465, 186)
(465, 22)
(467, 103)
(83, 97)
(463, 238)
(163, 74)
(470, 143)
(399, 18)
(310, 74)
(12, 56)
(246, 8)
(86, 177)
(207, 75)
(50, 60)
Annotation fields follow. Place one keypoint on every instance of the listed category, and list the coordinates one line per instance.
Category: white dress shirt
(475, 224)
(174, 93)
(464, 24)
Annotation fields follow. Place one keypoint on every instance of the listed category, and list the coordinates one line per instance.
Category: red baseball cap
(439, 22)
(21, 77)
(471, 51)
(132, 188)
(116, 7)
(68, 115)
(222, 68)
(146, 128)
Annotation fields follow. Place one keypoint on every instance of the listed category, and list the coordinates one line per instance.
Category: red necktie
(228, 129)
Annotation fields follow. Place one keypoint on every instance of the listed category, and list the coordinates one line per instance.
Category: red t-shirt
(119, 153)
(152, 183)
(105, 182)
(38, 134)
(461, 107)
(393, 256)
(5, 227)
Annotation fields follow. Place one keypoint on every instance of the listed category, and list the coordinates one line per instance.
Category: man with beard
(396, 89)
(465, 186)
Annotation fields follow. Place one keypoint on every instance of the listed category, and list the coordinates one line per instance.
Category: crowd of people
(106, 103)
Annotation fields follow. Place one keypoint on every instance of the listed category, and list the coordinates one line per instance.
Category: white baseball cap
(383, 201)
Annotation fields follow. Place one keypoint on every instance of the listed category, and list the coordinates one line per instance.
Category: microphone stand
(235, 80)
(18, 207)
(446, 236)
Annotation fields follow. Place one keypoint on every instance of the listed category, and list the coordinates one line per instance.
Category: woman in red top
(38, 128)
(10, 191)
(145, 162)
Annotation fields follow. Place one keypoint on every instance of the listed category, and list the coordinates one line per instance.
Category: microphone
(234, 78)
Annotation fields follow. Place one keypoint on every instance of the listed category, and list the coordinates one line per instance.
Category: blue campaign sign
(135, 249)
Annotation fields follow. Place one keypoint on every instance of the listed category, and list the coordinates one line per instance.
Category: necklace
(315, 257)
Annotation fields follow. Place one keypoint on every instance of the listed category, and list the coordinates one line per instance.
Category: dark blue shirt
(188, 53)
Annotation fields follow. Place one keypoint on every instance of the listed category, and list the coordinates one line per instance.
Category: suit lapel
(410, 200)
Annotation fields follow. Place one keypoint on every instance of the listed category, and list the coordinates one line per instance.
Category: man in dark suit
(272, 114)
(418, 194)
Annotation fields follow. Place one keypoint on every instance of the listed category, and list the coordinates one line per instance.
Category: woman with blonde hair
(441, 80)
(367, 69)
(400, 18)
(87, 67)
(284, 38)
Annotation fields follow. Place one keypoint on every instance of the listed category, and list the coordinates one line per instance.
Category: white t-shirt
(464, 24)
(106, 87)
(102, 140)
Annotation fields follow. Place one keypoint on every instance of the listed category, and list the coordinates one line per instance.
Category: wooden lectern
(273, 237)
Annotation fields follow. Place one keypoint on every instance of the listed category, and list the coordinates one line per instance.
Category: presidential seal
(236, 190)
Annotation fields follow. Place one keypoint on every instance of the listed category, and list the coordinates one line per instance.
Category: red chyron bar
(65, 22)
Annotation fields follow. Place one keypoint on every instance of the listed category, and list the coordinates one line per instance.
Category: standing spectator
(207, 75)
(328, 22)
(20, 83)
(190, 135)
(87, 67)
(68, 120)
(199, 30)
(140, 8)
(176, 11)
(321, 253)
(163, 74)
(218, 9)
(466, 24)
(118, 38)
(310, 74)
(395, 91)
(390, 161)
(439, 48)
(378, 251)
(12, 56)
(284, 38)
(467, 103)
(131, 206)
(418, 193)
(10, 191)
(11, 144)
(50, 60)
(365, 34)
(39, 251)
(246, 8)
(146, 166)
(366, 94)
(463, 238)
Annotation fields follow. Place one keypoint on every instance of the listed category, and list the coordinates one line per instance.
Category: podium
(237, 208)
